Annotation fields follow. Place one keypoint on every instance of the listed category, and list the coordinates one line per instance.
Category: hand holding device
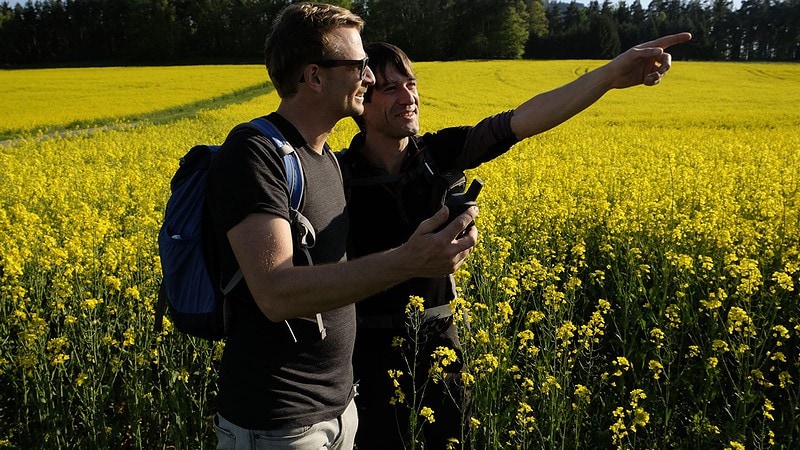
(458, 203)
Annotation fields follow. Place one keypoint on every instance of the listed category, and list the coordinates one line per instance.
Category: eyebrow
(394, 82)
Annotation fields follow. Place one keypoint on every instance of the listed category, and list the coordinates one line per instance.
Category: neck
(385, 152)
(314, 128)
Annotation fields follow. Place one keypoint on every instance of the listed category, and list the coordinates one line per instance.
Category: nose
(369, 77)
(405, 96)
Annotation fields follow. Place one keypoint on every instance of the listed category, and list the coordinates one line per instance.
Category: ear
(311, 77)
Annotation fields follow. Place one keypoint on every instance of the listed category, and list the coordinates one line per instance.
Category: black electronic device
(458, 203)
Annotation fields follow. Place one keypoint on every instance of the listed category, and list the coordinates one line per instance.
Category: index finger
(461, 222)
(667, 41)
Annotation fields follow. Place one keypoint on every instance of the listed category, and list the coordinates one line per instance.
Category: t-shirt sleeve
(468, 147)
(247, 176)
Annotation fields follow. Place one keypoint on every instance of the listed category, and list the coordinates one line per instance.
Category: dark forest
(119, 32)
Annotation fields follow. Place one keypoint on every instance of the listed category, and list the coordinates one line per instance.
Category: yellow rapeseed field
(58, 98)
(635, 285)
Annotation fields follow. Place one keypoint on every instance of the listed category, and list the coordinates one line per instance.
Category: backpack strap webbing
(291, 162)
(304, 232)
(294, 175)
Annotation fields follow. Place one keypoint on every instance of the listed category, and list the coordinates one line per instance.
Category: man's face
(393, 108)
(346, 82)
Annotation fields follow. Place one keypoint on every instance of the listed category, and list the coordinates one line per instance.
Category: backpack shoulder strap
(304, 231)
(291, 162)
(294, 174)
(302, 227)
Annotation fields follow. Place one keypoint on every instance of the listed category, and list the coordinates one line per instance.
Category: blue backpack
(189, 292)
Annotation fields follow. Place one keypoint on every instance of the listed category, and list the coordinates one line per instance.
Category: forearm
(554, 107)
(301, 291)
(263, 247)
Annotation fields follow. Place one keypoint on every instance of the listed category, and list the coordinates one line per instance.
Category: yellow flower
(467, 378)
(113, 283)
(780, 331)
(777, 356)
(129, 337)
(719, 345)
(673, 315)
(749, 276)
(394, 375)
(534, 317)
(784, 379)
(622, 365)
(503, 315)
(767, 409)
(636, 395)
(783, 280)
(656, 367)
(525, 416)
(739, 321)
(583, 393)
(742, 349)
(527, 384)
(710, 304)
(415, 304)
(550, 383)
(640, 418)
(657, 335)
(482, 336)
(510, 286)
(525, 336)
(565, 333)
(60, 359)
(91, 303)
(451, 443)
(183, 375)
(427, 413)
(399, 396)
(167, 326)
(133, 293)
(442, 357)
(57, 344)
(487, 363)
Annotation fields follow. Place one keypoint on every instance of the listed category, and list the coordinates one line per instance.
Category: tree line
(56, 32)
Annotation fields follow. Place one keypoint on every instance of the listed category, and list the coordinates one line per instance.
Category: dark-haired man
(396, 178)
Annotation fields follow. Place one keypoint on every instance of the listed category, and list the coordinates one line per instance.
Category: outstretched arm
(643, 64)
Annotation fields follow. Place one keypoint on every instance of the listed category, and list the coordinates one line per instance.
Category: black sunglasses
(361, 63)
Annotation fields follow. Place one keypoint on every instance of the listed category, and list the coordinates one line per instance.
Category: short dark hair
(299, 36)
(382, 55)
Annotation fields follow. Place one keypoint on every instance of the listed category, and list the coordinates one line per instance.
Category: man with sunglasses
(286, 378)
(395, 179)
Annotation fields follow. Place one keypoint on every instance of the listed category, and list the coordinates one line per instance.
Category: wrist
(604, 77)
(400, 263)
